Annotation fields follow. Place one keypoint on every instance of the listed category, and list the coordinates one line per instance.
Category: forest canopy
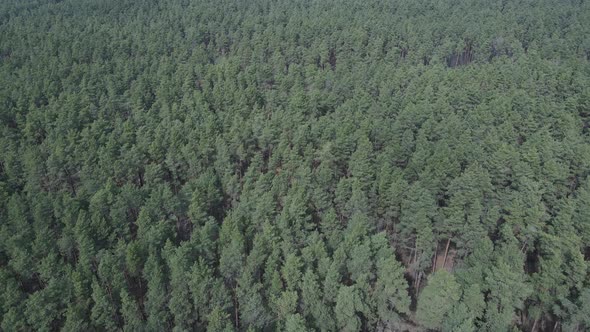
(294, 165)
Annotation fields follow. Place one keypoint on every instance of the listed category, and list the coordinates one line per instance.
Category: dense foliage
(294, 165)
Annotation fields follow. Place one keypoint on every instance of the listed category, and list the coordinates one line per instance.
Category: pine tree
(156, 298)
(361, 163)
(391, 289)
(131, 313)
(104, 313)
(437, 299)
(346, 309)
(180, 303)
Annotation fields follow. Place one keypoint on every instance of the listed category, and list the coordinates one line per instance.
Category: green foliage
(347, 305)
(437, 299)
(294, 165)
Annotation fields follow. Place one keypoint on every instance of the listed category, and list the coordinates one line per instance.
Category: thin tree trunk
(415, 260)
(418, 282)
(446, 253)
(434, 258)
(534, 325)
(237, 316)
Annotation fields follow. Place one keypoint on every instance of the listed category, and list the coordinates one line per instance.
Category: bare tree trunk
(434, 258)
(446, 252)
(413, 255)
(417, 288)
(534, 325)
(415, 260)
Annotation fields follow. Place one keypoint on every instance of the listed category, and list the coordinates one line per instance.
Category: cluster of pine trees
(294, 165)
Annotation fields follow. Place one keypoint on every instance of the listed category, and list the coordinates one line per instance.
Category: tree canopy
(302, 165)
